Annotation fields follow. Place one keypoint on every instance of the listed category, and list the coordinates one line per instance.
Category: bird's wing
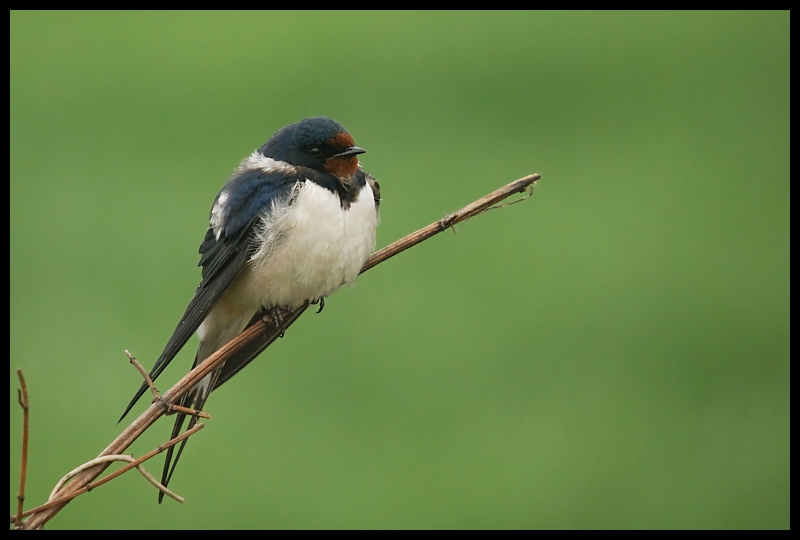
(227, 246)
(376, 189)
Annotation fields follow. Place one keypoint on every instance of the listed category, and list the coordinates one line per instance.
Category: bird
(295, 221)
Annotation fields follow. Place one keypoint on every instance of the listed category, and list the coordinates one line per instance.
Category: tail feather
(197, 396)
(195, 399)
(166, 476)
(176, 430)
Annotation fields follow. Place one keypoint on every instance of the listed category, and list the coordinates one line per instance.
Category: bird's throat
(342, 167)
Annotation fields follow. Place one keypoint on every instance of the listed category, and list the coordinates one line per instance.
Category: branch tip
(22, 398)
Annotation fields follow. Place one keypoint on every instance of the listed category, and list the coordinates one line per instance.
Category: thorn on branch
(447, 222)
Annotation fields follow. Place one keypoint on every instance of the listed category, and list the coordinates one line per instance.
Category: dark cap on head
(310, 143)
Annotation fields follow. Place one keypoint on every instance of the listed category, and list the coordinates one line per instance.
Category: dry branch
(162, 405)
(22, 398)
(143, 373)
(171, 407)
(105, 461)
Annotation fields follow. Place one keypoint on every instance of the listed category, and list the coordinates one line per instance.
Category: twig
(190, 412)
(171, 407)
(147, 378)
(480, 206)
(105, 461)
(22, 398)
(253, 333)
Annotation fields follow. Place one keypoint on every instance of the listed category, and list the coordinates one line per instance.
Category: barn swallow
(295, 221)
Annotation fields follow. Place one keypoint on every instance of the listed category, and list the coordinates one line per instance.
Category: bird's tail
(193, 399)
(197, 396)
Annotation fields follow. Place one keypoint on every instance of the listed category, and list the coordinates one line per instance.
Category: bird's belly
(310, 250)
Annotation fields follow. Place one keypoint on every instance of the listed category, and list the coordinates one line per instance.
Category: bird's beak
(350, 151)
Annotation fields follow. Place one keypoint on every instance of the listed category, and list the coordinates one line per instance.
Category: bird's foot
(277, 320)
(321, 302)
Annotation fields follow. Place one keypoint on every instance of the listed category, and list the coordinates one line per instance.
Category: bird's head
(317, 143)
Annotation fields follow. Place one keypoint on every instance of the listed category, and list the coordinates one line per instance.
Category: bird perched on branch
(295, 221)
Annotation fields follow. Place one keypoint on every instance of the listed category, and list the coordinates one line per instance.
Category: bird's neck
(347, 187)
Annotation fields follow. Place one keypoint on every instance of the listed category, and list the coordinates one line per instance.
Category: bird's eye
(314, 151)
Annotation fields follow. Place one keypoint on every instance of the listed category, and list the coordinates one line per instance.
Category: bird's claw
(277, 320)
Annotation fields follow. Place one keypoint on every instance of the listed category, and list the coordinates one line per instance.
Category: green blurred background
(613, 352)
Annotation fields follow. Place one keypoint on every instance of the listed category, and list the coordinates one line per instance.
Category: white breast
(311, 248)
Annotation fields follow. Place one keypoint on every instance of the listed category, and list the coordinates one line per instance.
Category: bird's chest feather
(310, 247)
